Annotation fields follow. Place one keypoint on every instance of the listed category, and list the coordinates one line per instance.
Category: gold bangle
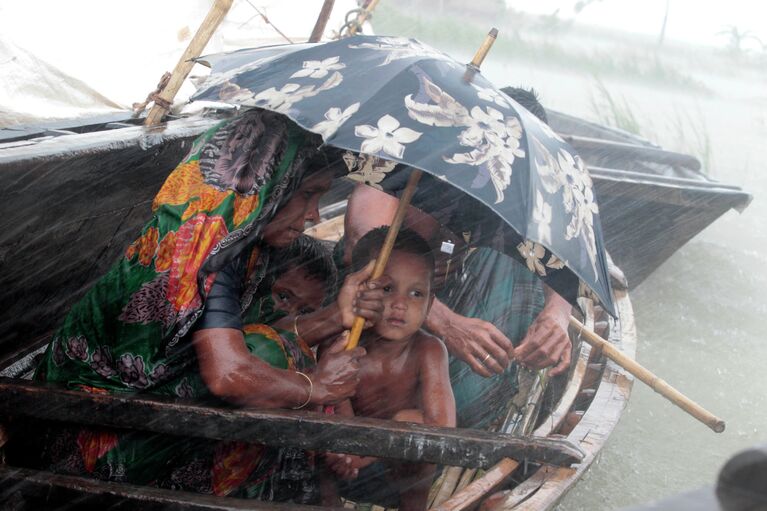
(295, 326)
(311, 389)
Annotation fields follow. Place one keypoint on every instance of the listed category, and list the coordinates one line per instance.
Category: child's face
(296, 292)
(407, 299)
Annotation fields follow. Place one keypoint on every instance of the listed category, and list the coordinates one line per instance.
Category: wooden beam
(44, 491)
(322, 21)
(305, 430)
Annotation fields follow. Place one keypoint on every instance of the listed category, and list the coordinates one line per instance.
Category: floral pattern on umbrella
(398, 99)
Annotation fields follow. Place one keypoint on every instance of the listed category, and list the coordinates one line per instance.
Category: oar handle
(383, 256)
(657, 384)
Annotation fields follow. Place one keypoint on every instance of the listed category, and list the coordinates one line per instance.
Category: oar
(181, 71)
(646, 376)
(404, 202)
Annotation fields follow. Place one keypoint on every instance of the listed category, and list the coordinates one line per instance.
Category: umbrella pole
(646, 376)
(184, 66)
(383, 256)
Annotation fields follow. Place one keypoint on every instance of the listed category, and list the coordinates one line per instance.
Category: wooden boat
(74, 196)
(76, 193)
(574, 419)
(58, 176)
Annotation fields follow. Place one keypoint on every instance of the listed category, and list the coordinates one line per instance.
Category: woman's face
(303, 206)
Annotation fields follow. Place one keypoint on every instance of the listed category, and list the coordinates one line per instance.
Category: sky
(694, 21)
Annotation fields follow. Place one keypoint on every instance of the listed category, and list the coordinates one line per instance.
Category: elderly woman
(168, 318)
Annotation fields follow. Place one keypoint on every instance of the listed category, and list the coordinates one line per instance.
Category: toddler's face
(296, 292)
(407, 298)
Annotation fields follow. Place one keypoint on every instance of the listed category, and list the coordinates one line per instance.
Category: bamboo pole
(449, 482)
(362, 17)
(479, 57)
(383, 256)
(472, 68)
(646, 376)
(185, 63)
(479, 488)
(404, 202)
(322, 21)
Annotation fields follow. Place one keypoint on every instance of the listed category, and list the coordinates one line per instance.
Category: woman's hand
(337, 373)
(360, 296)
(546, 342)
(478, 343)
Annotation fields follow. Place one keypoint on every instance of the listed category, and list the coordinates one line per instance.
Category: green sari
(495, 288)
(129, 332)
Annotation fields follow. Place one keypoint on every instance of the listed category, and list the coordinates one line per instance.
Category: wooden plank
(508, 499)
(555, 479)
(44, 490)
(592, 430)
(575, 384)
(479, 488)
(305, 430)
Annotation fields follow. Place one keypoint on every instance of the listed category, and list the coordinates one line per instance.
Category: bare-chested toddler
(403, 377)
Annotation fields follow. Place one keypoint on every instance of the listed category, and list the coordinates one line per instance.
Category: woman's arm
(470, 339)
(358, 297)
(233, 374)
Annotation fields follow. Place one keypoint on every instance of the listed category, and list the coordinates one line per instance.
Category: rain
(679, 85)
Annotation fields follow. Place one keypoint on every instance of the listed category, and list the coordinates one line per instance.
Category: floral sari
(129, 332)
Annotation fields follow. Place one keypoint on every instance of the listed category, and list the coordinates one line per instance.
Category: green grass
(612, 111)
(692, 137)
(688, 133)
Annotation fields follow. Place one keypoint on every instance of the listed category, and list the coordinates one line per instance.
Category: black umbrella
(395, 100)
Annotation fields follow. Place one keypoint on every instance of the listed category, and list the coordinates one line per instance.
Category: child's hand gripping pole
(383, 256)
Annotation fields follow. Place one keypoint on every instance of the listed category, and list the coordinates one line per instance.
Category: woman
(166, 319)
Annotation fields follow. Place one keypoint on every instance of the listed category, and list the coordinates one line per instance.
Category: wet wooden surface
(27, 490)
(306, 430)
(546, 488)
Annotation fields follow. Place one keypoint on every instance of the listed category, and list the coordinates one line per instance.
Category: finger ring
(486, 357)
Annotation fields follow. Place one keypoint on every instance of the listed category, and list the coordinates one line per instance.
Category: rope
(353, 23)
(266, 20)
(138, 108)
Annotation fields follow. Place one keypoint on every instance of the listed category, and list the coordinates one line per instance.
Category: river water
(700, 316)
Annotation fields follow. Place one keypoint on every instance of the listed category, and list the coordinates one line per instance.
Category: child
(403, 377)
(304, 275)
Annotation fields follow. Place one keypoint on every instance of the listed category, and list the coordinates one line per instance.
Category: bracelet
(295, 327)
(311, 389)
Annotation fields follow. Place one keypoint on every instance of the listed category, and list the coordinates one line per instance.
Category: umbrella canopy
(395, 100)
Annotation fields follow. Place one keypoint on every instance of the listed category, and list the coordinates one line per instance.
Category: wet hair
(528, 98)
(310, 255)
(408, 241)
